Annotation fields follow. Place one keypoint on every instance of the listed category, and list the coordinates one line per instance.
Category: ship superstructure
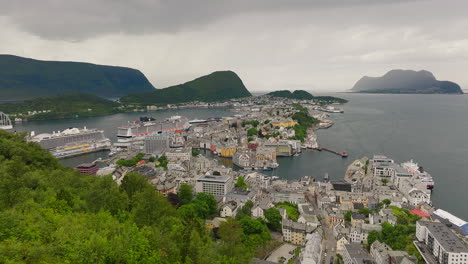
(420, 176)
(72, 141)
(138, 129)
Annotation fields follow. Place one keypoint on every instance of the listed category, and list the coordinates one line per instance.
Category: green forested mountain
(217, 86)
(52, 214)
(62, 106)
(406, 82)
(297, 94)
(303, 95)
(22, 78)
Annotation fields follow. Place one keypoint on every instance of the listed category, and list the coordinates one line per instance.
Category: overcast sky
(316, 45)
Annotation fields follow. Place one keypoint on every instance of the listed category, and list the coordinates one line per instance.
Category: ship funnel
(33, 133)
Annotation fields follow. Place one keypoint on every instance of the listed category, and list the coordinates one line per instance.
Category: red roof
(419, 213)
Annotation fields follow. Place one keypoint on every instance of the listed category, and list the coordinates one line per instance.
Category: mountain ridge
(216, 86)
(406, 82)
(24, 78)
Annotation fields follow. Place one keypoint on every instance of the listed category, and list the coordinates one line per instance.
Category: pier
(343, 154)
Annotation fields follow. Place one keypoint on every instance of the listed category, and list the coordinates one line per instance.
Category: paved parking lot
(282, 251)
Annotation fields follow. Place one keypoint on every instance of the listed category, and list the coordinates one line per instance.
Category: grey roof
(357, 253)
(444, 236)
(358, 216)
(213, 178)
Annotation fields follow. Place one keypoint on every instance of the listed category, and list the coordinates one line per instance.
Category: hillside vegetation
(62, 106)
(304, 95)
(52, 214)
(22, 78)
(217, 86)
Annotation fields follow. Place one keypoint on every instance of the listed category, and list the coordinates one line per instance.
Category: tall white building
(215, 185)
(441, 242)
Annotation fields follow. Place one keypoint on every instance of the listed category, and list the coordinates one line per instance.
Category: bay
(431, 129)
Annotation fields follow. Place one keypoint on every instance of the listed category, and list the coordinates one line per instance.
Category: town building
(383, 254)
(156, 145)
(178, 154)
(229, 209)
(87, 168)
(385, 215)
(354, 253)
(312, 251)
(295, 232)
(441, 242)
(213, 184)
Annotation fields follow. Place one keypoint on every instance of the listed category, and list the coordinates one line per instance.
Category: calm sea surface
(431, 129)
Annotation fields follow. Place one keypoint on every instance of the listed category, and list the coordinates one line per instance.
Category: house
(229, 209)
(383, 254)
(360, 233)
(340, 243)
(312, 251)
(295, 232)
(385, 215)
(354, 253)
(357, 218)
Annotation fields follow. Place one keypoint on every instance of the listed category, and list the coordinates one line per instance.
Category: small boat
(274, 177)
(266, 169)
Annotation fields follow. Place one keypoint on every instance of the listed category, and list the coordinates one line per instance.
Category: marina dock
(343, 154)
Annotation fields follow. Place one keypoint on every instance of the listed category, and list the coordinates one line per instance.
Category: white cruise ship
(419, 175)
(72, 141)
(138, 130)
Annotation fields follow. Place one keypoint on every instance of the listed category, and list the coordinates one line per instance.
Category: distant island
(24, 78)
(304, 95)
(217, 86)
(406, 82)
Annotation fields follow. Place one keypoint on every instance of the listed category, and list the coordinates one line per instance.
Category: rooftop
(213, 178)
(444, 236)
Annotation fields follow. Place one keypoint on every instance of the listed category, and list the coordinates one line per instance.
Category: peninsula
(406, 82)
(304, 95)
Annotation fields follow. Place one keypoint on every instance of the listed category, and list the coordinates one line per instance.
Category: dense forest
(217, 86)
(52, 214)
(62, 106)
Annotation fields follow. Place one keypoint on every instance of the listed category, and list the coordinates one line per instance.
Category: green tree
(133, 183)
(240, 183)
(252, 132)
(273, 218)
(185, 193)
(347, 216)
(231, 234)
(384, 181)
(195, 152)
(387, 202)
(246, 210)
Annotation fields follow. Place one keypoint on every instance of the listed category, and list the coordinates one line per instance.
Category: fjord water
(431, 129)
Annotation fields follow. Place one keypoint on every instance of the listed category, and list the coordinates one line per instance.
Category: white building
(442, 243)
(313, 249)
(229, 209)
(215, 185)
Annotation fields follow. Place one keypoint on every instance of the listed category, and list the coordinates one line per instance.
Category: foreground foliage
(52, 214)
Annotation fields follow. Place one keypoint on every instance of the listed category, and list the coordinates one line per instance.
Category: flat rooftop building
(213, 184)
(446, 247)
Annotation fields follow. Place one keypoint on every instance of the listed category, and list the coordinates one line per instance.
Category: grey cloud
(60, 19)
